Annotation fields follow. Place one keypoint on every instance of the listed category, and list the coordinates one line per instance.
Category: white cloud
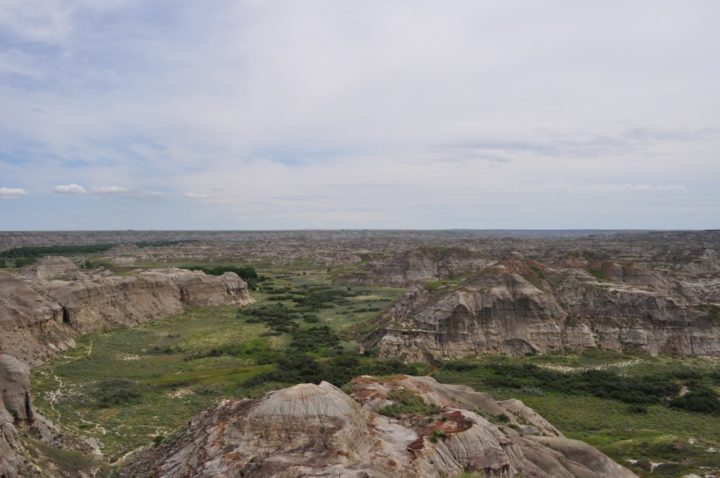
(11, 193)
(69, 189)
(119, 191)
(192, 195)
(110, 190)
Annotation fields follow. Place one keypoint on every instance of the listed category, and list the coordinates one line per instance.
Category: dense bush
(698, 399)
(314, 339)
(277, 316)
(258, 350)
(601, 383)
(459, 366)
(315, 298)
(114, 392)
(338, 370)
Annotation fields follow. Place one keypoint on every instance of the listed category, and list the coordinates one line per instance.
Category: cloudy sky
(359, 114)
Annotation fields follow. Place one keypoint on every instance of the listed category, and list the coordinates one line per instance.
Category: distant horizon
(3, 231)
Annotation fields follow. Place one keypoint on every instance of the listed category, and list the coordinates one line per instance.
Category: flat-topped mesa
(40, 317)
(317, 430)
(519, 308)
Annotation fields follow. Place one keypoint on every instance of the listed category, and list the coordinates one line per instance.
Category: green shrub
(277, 316)
(314, 339)
(601, 383)
(115, 392)
(437, 435)
(315, 298)
(295, 368)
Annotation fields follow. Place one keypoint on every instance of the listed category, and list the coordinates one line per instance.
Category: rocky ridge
(41, 314)
(520, 306)
(313, 430)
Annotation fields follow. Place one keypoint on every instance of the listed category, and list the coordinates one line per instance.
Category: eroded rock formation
(15, 411)
(317, 430)
(39, 317)
(30, 444)
(520, 306)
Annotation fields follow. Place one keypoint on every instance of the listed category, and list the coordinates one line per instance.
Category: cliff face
(317, 430)
(516, 309)
(15, 411)
(40, 317)
(416, 265)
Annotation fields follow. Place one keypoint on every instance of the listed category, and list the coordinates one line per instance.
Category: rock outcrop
(40, 317)
(520, 307)
(416, 265)
(52, 267)
(317, 430)
(15, 411)
(30, 444)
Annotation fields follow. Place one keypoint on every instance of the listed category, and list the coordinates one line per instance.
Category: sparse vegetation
(406, 402)
(437, 435)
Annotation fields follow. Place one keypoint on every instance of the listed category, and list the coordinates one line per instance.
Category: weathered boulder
(317, 430)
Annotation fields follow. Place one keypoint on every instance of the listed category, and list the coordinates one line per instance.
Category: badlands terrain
(360, 354)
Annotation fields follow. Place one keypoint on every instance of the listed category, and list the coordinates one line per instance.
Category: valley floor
(130, 388)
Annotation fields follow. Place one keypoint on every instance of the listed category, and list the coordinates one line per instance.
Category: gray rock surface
(318, 431)
(519, 307)
(15, 411)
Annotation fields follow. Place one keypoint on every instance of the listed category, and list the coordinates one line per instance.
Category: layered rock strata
(525, 307)
(317, 430)
(40, 317)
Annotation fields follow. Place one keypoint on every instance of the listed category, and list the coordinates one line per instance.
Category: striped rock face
(40, 317)
(318, 430)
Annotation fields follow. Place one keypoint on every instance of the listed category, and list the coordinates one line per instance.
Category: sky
(400, 114)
